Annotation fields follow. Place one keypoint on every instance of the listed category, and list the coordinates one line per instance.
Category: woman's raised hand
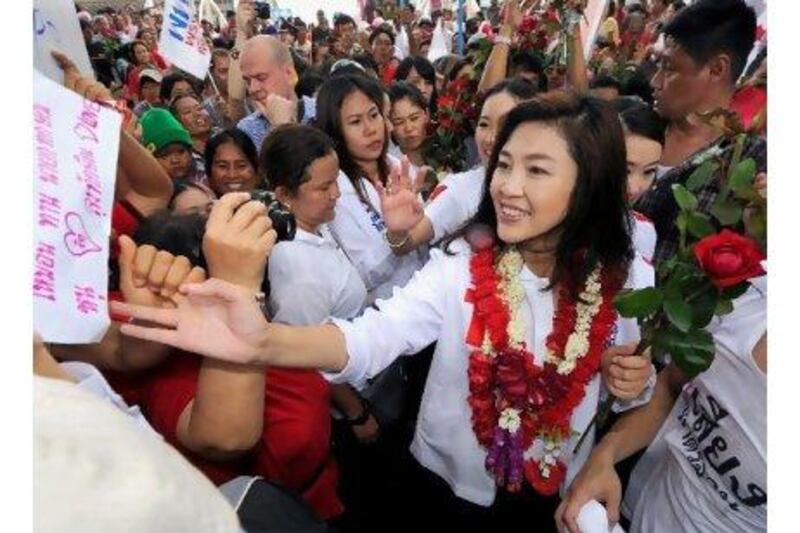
(215, 319)
(400, 203)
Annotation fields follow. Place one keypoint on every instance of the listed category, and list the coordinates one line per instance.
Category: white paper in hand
(593, 519)
(75, 146)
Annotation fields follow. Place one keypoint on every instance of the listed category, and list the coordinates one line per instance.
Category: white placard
(56, 27)
(75, 146)
(182, 42)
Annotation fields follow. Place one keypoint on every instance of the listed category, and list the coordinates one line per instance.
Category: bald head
(267, 44)
(267, 68)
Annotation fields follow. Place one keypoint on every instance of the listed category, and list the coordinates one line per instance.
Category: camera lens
(283, 222)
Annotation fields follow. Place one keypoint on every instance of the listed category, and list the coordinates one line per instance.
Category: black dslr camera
(283, 221)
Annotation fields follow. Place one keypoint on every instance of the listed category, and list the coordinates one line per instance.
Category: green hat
(160, 129)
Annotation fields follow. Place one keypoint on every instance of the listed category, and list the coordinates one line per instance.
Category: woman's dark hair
(131, 51)
(366, 61)
(519, 88)
(178, 234)
(181, 186)
(456, 68)
(596, 226)
(638, 118)
(287, 153)
(230, 136)
(308, 83)
(425, 70)
(169, 82)
(173, 105)
(330, 98)
(382, 29)
(402, 89)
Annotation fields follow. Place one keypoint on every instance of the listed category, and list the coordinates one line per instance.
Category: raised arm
(496, 67)
(226, 416)
(237, 90)
(577, 76)
(140, 178)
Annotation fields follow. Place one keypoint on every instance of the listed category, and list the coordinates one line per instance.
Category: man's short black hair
(342, 19)
(710, 27)
(606, 82)
(529, 62)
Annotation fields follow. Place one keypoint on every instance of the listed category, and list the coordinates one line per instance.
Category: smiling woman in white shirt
(350, 111)
(523, 323)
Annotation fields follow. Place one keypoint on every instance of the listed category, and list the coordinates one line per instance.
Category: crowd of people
(360, 283)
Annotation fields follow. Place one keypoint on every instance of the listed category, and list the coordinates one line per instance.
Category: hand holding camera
(238, 240)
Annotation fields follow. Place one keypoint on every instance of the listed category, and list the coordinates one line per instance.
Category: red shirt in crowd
(294, 450)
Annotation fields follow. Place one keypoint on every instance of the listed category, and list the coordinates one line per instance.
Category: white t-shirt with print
(706, 470)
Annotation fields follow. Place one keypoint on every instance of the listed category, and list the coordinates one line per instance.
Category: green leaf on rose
(704, 303)
(638, 303)
(677, 310)
(702, 175)
(692, 352)
(699, 224)
(743, 174)
(731, 293)
(685, 199)
(723, 307)
(727, 212)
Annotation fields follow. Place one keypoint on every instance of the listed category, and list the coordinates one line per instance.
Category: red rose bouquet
(720, 251)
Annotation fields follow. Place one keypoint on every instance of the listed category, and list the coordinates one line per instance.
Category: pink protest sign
(75, 146)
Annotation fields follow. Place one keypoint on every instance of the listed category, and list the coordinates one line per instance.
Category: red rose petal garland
(515, 402)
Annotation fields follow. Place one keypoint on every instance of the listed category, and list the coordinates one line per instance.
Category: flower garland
(514, 402)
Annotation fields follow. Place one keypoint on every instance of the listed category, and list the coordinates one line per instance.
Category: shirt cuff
(354, 372)
(620, 406)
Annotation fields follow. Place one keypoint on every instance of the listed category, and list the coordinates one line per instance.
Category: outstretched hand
(216, 319)
(400, 203)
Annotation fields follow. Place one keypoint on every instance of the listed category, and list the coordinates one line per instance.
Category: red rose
(729, 258)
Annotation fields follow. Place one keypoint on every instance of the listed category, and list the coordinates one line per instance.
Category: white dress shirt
(457, 202)
(432, 308)
(359, 230)
(311, 279)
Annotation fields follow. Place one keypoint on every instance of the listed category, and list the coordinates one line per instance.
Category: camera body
(263, 10)
(283, 222)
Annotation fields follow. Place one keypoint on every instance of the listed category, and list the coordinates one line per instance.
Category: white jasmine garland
(510, 420)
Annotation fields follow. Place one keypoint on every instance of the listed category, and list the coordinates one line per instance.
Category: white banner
(75, 145)
(56, 27)
(182, 42)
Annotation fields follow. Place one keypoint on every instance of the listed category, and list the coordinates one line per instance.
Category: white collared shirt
(359, 230)
(311, 279)
(455, 201)
(432, 308)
